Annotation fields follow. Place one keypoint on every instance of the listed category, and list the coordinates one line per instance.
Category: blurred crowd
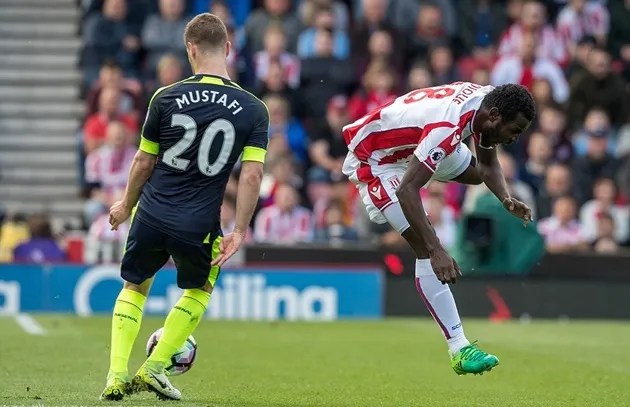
(321, 64)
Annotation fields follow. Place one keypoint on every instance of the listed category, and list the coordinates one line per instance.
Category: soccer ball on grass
(182, 361)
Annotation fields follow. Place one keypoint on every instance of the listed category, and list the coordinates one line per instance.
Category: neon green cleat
(470, 359)
(115, 390)
(156, 382)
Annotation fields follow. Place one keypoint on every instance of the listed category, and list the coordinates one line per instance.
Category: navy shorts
(147, 250)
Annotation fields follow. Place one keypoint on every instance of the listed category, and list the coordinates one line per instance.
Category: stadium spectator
(442, 65)
(619, 37)
(284, 222)
(275, 43)
(111, 76)
(335, 229)
(596, 122)
(323, 19)
(380, 48)
(41, 246)
(275, 83)
(580, 18)
(308, 10)
(598, 87)
(169, 71)
(526, 67)
(577, 66)
(429, 31)
(604, 202)
(552, 124)
(281, 124)
(379, 83)
(480, 76)
(533, 19)
(95, 128)
(539, 156)
(562, 231)
(557, 183)
(542, 93)
(327, 148)
(239, 62)
(419, 77)
(480, 22)
(372, 19)
(337, 75)
(597, 163)
(604, 241)
(108, 35)
(442, 216)
(163, 32)
(107, 169)
(274, 11)
(281, 170)
(341, 191)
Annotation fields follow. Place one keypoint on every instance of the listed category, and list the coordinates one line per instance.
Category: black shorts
(147, 250)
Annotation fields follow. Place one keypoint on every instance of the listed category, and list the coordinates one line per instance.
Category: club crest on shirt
(437, 154)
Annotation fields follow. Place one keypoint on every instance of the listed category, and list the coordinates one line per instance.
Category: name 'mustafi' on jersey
(197, 128)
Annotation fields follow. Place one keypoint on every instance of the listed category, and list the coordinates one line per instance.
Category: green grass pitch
(397, 363)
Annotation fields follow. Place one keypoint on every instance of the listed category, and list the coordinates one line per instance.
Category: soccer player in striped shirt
(398, 148)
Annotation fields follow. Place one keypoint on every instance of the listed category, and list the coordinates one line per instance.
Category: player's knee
(207, 287)
(140, 288)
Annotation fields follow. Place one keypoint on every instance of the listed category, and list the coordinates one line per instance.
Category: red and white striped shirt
(274, 226)
(572, 26)
(430, 123)
(555, 233)
(550, 44)
(109, 167)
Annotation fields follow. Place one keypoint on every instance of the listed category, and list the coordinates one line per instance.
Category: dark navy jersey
(198, 128)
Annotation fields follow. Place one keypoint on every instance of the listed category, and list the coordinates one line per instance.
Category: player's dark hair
(511, 99)
(207, 31)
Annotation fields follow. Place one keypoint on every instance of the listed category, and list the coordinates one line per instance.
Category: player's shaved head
(207, 32)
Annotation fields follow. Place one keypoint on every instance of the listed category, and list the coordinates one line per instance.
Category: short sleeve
(256, 145)
(150, 137)
(437, 142)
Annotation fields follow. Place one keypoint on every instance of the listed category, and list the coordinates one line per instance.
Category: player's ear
(228, 47)
(493, 114)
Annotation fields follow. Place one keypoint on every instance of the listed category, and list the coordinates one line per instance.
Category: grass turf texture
(344, 364)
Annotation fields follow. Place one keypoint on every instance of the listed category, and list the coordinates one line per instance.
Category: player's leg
(197, 279)
(466, 358)
(143, 257)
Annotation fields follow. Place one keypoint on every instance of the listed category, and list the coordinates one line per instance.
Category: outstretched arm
(491, 172)
(492, 175)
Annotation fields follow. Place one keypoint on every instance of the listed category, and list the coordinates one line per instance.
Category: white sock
(441, 304)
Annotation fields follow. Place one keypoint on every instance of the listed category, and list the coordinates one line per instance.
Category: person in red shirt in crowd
(378, 89)
(95, 128)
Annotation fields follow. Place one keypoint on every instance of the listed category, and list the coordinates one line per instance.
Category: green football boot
(471, 359)
(116, 389)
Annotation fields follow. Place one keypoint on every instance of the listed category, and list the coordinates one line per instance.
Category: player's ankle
(154, 366)
(456, 343)
(123, 376)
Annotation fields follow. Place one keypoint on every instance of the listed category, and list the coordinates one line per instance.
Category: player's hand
(118, 214)
(445, 267)
(228, 247)
(518, 209)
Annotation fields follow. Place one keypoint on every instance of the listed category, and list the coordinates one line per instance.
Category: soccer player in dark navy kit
(194, 133)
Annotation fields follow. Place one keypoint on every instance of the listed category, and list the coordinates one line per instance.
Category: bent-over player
(193, 135)
(398, 148)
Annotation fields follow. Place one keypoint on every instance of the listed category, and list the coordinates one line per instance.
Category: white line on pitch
(29, 324)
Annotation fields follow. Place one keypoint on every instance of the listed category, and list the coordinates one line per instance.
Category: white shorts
(377, 184)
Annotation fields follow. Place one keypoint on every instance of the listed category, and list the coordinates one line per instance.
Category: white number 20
(171, 156)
